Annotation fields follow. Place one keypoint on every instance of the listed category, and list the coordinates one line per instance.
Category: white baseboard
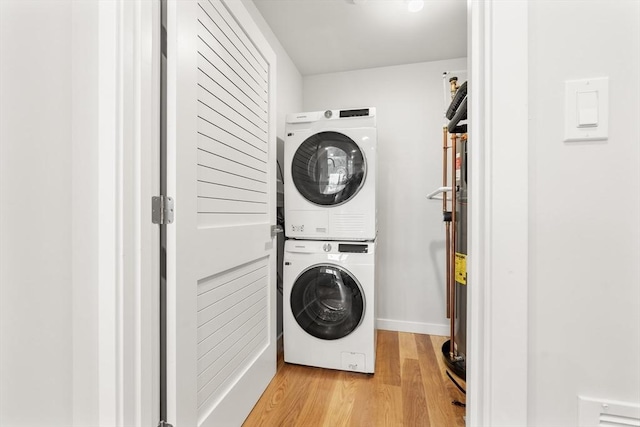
(413, 327)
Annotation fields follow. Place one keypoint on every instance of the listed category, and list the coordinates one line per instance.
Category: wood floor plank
(409, 395)
(438, 399)
(319, 398)
(388, 367)
(268, 404)
(436, 342)
(407, 345)
(415, 411)
(452, 391)
(388, 403)
(364, 405)
(284, 402)
(342, 400)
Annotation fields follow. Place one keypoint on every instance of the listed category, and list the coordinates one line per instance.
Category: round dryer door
(327, 302)
(328, 169)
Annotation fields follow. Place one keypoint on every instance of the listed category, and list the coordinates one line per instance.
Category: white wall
(584, 297)
(36, 346)
(84, 211)
(410, 103)
(49, 355)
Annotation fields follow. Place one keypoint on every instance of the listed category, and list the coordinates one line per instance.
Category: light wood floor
(409, 388)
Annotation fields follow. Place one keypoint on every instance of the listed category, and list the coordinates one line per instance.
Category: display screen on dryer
(328, 169)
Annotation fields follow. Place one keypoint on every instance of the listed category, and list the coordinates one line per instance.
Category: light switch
(586, 106)
(587, 109)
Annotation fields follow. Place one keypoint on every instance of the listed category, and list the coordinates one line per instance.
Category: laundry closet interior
(365, 125)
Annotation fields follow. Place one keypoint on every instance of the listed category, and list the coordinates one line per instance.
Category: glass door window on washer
(328, 169)
(327, 302)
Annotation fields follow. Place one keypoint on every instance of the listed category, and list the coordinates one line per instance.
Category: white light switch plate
(586, 109)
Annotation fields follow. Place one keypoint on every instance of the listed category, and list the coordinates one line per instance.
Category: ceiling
(325, 36)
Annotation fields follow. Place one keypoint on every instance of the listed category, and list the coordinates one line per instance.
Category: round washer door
(328, 169)
(327, 302)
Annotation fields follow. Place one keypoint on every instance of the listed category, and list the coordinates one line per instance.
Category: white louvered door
(221, 172)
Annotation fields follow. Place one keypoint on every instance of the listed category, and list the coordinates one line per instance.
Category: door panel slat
(233, 49)
(233, 361)
(213, 175)
(216, 81)
(211, 330)
(217, 344)
(208, 58)
(217, 117)
(219, 299)
(230, 109)
(216, 155)
(216, 129)
(228, 20)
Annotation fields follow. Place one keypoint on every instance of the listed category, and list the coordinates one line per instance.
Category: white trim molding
(413, 327)
(498, 261)
(139, 113)
(109, 218)
(128, 243)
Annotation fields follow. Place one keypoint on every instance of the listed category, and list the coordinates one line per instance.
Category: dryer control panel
(353, 248)
(325, 247)
(314, 116)
(354, 113)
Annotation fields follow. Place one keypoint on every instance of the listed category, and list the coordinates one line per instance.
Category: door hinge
(164, 424)
(275, 229)
(161, 210)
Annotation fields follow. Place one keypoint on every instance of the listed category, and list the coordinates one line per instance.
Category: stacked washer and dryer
(329, 285)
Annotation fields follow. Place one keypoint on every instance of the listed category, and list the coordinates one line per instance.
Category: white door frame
(498, 228)
(498, 265)
(128, 243)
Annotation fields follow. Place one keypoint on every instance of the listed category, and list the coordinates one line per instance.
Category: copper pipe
(444, 210)
(448, 257)
(452, 282)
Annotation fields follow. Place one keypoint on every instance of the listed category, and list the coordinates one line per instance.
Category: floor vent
(606, 413)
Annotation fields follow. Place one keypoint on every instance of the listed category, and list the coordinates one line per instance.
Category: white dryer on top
(330, 175)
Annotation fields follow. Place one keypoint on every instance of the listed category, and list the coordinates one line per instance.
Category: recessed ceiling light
(415, 5)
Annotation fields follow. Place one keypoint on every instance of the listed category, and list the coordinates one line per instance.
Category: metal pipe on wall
(448, 256)
(445, 141)
(452, 282)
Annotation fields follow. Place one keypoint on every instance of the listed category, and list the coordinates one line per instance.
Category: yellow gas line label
(461, 268)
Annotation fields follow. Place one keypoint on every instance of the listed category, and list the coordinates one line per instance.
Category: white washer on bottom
(329, 306)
